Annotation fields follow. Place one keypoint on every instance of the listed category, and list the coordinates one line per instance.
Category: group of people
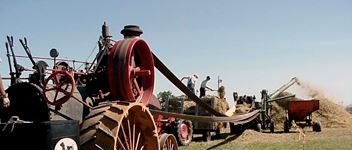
(191, 83)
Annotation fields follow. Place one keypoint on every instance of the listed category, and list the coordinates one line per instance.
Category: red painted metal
(111, 64)
(63, 83)
(298, 110)
(131, 70)
(184, 130)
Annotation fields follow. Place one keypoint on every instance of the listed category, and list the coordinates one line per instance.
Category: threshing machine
(265, 120)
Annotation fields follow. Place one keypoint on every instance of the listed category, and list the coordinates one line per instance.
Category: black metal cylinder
(48, 135)
(105, 30)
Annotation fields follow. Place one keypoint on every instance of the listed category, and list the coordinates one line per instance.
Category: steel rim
(184, 131)
(168, 142)
(137, 130)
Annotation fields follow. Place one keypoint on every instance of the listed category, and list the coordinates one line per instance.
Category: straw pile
(221, 92)
(189, 107)
(242, 108)
(329, 114)
(219, 104)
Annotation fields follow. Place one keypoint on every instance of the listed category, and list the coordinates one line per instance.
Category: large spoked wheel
(168, 142)
(118, 126)
(184, 133)
(131, 70)
(61, 90)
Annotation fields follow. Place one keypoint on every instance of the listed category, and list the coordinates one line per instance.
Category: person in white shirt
(204, 87)
(191, 82)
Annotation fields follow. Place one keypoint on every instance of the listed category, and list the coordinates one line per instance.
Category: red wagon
(300, 112)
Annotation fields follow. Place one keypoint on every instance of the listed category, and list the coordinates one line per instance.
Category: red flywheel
(131, 70)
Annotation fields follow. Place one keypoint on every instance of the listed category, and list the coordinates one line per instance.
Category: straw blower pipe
(283, 88)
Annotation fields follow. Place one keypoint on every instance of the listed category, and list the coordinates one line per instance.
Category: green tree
(163, 96)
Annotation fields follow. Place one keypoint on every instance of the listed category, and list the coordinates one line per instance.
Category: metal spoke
(55, 80)
(134, 133)
(120, 143)
(129, 131)
(56, 93)
(137, 87)
(61, 82)
(63, 91)
(139, 135)
(124, 134)
(141, 72)
(133, 62)
(50, 89)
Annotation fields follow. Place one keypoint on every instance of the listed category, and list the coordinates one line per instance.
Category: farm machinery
(106, 106)
(265, 120)
(298, 110)
(182, 129)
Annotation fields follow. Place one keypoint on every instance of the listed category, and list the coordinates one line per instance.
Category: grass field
(331, 138)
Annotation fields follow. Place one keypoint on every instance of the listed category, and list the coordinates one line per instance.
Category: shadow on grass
(231, 138)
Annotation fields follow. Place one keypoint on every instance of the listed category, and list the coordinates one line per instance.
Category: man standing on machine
(191, 82)
(204, 87)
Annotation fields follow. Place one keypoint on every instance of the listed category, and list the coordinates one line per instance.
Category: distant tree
(163, 96)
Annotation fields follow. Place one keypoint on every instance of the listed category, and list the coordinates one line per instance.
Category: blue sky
(251, 45)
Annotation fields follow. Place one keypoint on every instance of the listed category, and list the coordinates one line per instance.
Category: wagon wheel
(184, 132)
(259, 127)
(206, 136)
(316, 126)
(272, 126)
(168, 142)
(120, 125)
(62, 88)
(287, 125)
(131, 70)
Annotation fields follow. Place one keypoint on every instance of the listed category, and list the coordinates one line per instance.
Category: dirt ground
(329, 138)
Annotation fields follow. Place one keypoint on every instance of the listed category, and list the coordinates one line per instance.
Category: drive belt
(237, 119)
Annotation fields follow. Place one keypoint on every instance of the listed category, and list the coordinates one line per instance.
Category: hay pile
(221, 92)
(190, 107)
(242, 108)
(329, 114)
(219, 104)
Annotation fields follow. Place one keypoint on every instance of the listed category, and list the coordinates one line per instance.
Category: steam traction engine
(109, 98)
